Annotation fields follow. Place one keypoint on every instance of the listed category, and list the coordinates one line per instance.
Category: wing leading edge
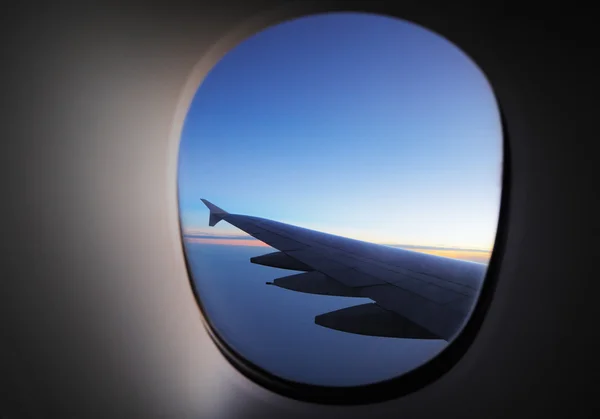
(415, 295)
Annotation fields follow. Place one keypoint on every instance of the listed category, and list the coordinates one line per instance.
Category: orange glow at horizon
(227, 242)
(471, 255)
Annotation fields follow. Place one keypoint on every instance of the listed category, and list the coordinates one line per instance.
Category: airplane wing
(415, 295)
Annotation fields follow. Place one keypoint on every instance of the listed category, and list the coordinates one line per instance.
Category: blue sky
(359, 125)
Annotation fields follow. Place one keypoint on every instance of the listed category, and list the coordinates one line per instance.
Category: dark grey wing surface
(415, 295)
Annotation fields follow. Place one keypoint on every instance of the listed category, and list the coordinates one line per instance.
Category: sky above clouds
(359, 125)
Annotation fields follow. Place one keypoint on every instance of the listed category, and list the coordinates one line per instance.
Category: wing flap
(372, 320)
(314, 283)
(281, 260)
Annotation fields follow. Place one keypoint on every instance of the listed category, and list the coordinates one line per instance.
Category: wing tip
(216, 213)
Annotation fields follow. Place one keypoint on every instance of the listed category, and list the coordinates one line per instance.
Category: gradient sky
(353, 124)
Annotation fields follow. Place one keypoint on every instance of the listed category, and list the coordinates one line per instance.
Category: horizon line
(240, 237)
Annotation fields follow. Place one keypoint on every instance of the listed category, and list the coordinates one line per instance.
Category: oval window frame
(416, 378)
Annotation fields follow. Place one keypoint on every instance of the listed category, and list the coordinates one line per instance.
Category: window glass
(358, 125)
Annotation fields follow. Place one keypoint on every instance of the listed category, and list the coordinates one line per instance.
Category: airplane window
(339, 184)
